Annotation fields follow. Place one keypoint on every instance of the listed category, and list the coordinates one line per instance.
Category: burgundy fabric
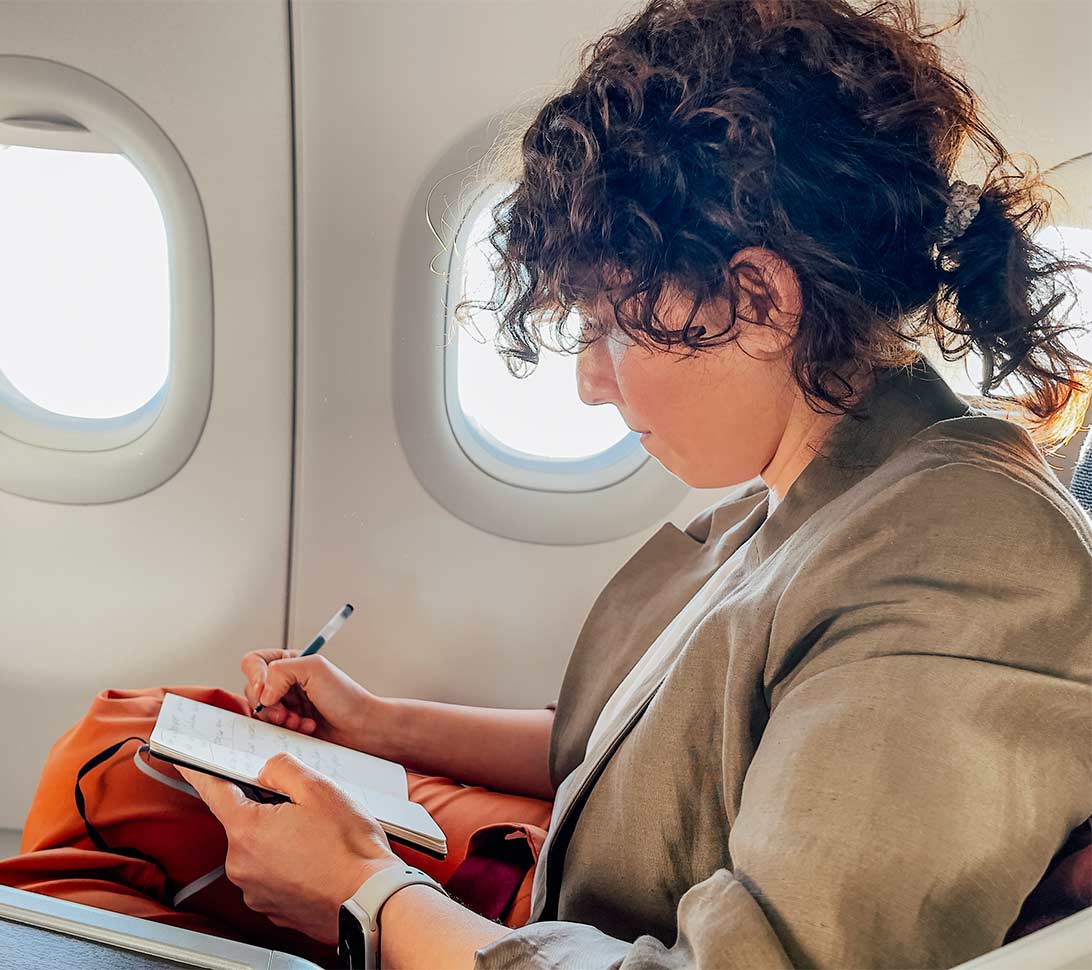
(488, 886)
(1066, 886)
(498, 860)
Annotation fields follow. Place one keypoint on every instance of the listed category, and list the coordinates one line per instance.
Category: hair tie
(962, 208)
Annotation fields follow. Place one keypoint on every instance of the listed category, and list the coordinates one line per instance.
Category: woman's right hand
(309, 695)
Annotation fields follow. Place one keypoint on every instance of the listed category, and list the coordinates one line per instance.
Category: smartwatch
(358, 918)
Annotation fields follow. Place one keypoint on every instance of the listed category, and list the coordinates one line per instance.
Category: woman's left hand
(298, 861)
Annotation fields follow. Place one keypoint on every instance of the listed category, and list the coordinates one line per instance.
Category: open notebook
(235, 747)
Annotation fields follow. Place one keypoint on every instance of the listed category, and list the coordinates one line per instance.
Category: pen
(325, 635)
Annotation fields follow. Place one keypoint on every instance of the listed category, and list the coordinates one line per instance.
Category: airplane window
(83, 264)
(520, 457)
(532, 431)
(1068, 242)
(106, 339)
(537, 415)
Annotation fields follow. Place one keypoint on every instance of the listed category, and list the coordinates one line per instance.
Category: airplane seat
(1081, 485)
(1067, 943)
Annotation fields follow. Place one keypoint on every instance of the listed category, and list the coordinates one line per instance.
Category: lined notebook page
(237, 745)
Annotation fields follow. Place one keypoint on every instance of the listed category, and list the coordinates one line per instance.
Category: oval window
(106, 345)
(83, 264)
(532, 431)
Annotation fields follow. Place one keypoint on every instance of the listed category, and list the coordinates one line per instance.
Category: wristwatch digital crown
(358, 918)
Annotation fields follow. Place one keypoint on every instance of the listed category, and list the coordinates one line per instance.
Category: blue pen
(325, 635)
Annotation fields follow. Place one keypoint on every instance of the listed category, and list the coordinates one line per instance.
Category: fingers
(302, 706)
(300, 712)
(282, 675)
(287, 705)
(224, 798)
(296, 700)
(254, 665)
(284, 715)
(295, 721)
(285, 773)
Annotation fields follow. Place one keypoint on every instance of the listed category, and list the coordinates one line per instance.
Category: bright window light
(540, 415)
(1065, 242)
(83, 271)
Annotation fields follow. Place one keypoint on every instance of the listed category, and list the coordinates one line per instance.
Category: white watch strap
(367, 902)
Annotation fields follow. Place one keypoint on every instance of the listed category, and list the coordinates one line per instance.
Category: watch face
(351, 945)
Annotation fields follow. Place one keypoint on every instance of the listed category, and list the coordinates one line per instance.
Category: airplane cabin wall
(169, 587)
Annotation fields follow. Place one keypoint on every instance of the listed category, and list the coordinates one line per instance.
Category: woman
(842, 719)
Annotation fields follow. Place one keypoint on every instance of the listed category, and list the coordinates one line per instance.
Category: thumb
(286, 773)
(224, 798)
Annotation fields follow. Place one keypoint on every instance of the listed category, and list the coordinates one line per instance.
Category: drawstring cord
(100, 843)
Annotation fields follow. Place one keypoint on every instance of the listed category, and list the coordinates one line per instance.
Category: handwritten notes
(238, 746)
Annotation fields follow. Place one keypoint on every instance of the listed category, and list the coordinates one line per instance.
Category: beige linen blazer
(867, 748)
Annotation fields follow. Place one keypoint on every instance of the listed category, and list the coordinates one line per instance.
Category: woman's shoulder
(979, 472)
(968, 503)
(962, 543)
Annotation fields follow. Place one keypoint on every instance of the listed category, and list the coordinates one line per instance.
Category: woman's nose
(595, 383)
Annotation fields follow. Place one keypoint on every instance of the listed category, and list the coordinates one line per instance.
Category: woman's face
(713, 418)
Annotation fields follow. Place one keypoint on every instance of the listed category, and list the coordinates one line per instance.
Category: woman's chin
(669, 462)
(688, 472)
(695, 475)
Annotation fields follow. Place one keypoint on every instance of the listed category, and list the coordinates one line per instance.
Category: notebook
(235, 747)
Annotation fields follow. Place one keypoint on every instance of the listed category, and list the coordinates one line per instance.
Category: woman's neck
(804, 434)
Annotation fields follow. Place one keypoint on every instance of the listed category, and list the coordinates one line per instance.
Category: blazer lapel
(671, 567)
(570, 797)
(637, 604)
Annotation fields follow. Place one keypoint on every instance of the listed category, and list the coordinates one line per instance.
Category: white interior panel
(169, 587)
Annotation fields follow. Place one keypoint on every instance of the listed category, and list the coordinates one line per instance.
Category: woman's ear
(769, 300)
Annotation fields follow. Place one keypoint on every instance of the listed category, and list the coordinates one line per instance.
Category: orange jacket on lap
(162, 850)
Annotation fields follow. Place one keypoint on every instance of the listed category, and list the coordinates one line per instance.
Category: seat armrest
(157, 941)
(1065, 945)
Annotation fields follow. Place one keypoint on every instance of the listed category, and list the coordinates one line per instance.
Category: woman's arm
(507, 750)
(462, 933)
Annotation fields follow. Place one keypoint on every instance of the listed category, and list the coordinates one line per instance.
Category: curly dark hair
(825, 134)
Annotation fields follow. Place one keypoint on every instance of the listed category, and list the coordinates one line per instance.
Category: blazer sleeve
(926, 751)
